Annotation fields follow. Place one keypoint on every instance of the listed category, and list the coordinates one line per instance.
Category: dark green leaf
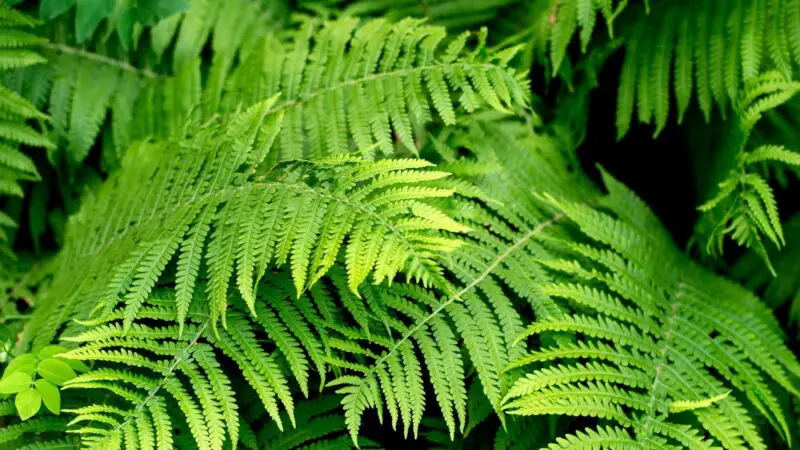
(49, 9)
(89, 15)
(145, 12)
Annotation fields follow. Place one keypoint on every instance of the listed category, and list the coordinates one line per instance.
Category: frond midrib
(304, 98)
(477, 280)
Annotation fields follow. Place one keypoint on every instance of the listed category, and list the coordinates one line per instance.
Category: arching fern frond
(650, 334)
(495, 275)
(349, 83)
(299, 214)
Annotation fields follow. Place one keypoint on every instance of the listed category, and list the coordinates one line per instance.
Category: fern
(16, 114)
(87, 80)
(89, 15)
(367, 83)
(284, 221)
(744, 205)
(722, 44)
(453, 14)
(312, 208)
(782, 288)
(654, 348)
(683, 50)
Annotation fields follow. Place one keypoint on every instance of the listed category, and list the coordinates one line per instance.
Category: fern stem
(457, 296)
(100, 58)
(175, 361)
(662, 363)
(401, 73)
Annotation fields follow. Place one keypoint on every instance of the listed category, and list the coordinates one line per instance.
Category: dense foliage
(330, 224)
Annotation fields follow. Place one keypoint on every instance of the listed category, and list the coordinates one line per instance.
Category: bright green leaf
(24, 363)
(28, 403)
(55, 371)
(15, 382)
(76, 365)
(51, 350)
(50, 395)
(55, 350)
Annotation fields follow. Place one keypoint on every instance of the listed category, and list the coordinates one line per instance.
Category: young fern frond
(656, 344)
(744, 204)
(16, 113)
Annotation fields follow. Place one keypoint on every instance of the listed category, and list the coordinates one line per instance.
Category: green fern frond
(725, 45)
(495, 273)
(16, 114)
(680, 48)
(454, 14)
(85, 81)
(365, 82)
(645, 359)
(782, 287)
(315, 210)
(744, 204)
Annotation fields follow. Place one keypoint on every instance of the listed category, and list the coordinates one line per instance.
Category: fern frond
(16, 113)
(454, 14)
(724, 44)
(351, 198)
(744, 204)
(495, 272)
(662, 350)
(361, 82)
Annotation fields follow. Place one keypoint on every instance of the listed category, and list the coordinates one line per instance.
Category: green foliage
(126, 15)
(656, 356)
(453, 14)
(702, 49)
(16, 113)
(32, 378)
(782, 288)
(684, 49)
(283, 221)
(372, 82)
(744, 205)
